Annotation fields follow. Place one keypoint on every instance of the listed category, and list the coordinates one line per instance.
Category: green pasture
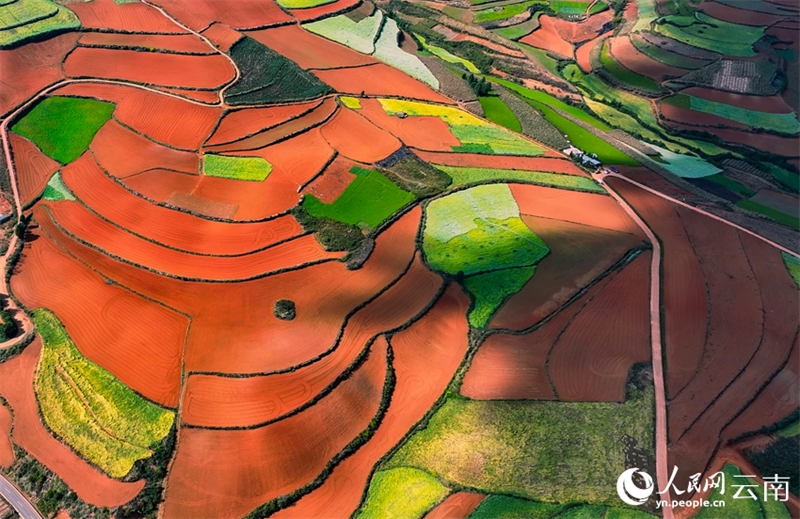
(498, 112)
(401, 493)
(466, 175)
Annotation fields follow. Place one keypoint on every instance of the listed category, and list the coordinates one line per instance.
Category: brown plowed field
(572, 206)
(282, 131)
(123, 153)
(629, 57)
(161, 184)
(583, 52)
(578, 254)
(139, 341)
(735, 15)
(168, 227)
(239, 124)
(770, 104)
(114, 241)
(333, 181)
(178, 43)
(358, 139)
(34, 168)
(691, 117)
(457, 506)
(435, 345)
(546, 37)
(113, 93)
(256, 465)
(592, 356)
(428, 133)
(7, 456)
(684, 303)
(35, 66)
(323, 11)
(152, 68)
(202, 206)
(294, 161)
(784, 146)
(16, 386)
(379, 80)
(549, 164)
(578, 32)
(222, 36)
(203, 96)
(242, 14)
(309, 50)
(129, 17)
(258, 399)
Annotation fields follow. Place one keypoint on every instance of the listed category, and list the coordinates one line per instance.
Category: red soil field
(33, 167)
(7, 456)
(578, 32)
(379, 80)
(294, 161)
(578, 254)
(202, 96)
(775, 402)
(333, 181)
(176, 123)
(572, 206)
(259, 399)
(784, 146)
(591, 358)
(435, 345)
(222, 36)
(629, 57)
(159, 184)
(168, 227)
(684, 302)
(129, 17)
(113, 93)
(583, 52)
(323, 11)
(238, 124)
(202, 206)
(16, 386)
(153, 68)
(457, 506)
(694, 118)
(514, 366)
(546, 37)
(429, 133)
(735, 15)
(34, 65)
(118, 243)
(178, 43)
(770, 104)
(549, 164)
(256, 465)
(242, 14)
(291, 127)
(123, 153)
(358, 139)
(137, 340)
(309, 50)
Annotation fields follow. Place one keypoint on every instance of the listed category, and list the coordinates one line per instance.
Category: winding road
(17, 499)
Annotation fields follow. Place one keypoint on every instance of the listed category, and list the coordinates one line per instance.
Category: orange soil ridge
(33, 167)
(435, 345)
(242, 14)
(238, 124)
(548, 164)
(379, 80)
(92, 486)
(222, 36)
(178, 43)
(259, 399)
(695, 118)
(358, 139)
(137, 340)
(430, 133)
(629, 57)
(129, 17)
(323, 11)
(577, 32)
(166, 226)
(7, 456)
(457, 506)
(546, 37)
(161, 184)
(583, 53)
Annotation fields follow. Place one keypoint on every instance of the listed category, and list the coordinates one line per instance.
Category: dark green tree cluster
(479, 85)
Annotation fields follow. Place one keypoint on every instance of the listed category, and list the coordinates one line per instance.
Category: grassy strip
(498, 112)
(734, 186)
(25, 20)
(401, 493)
(490, 291)
(742, 506)
(447, 55)
(89, 408)
(793, 266)
(778, 216)
(303, 4)
(56, 190)
(63, 127)
(705, 32)
(515, 32)
(467, 175)
(781, 123)
(507, 11)
(621, 73)
(254, 169)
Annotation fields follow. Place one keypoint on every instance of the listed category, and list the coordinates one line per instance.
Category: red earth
(546, 37)
(356, 138)
(34, 168)
(238, 124)
(379, 80)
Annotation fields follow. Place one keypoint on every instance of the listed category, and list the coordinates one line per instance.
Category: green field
(369, 199)
(647, 13)
(540, 450)
(498, 112)
(447, 55)
(466, 175)
(782, 123)
(514, 32)
(401, 493)
(541, 57)
(569, 7)
(26, 19)
(686, 166)
(788, 179)
(664, 56)
(23, 12)
(359, 36)
(56, 190)
(708, 33)
(474, 134)
(731, 185)
(624, 75)
(87, 407)
(254, 169)
(780, 217)
(741, 507)
(505, 507)
(477, 236)
(302, 4)
(63, 127)
(501, 13)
